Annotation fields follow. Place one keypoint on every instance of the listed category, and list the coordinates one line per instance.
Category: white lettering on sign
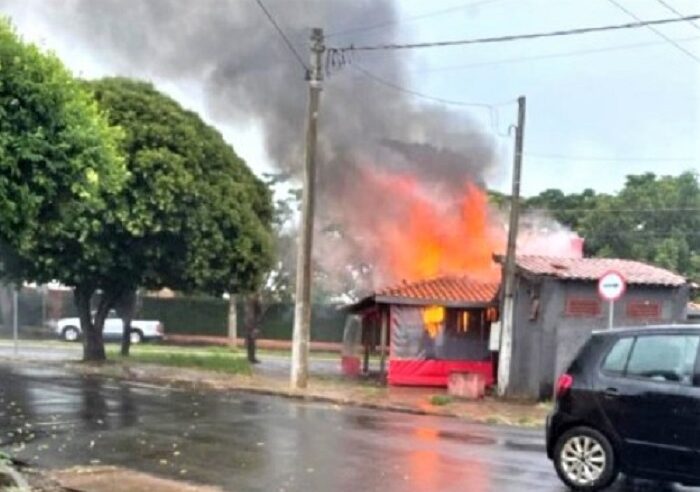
(611, 286)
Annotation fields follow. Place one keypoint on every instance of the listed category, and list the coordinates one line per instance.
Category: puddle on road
(525, 446)
(427, 433)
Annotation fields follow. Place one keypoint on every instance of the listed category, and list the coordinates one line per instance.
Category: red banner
(434, 372)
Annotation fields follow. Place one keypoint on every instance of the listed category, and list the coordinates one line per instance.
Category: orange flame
(425, 233)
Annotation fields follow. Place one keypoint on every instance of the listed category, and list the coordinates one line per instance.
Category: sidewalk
(337, 390)
(263, 344)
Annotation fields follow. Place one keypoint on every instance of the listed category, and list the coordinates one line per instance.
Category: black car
(630, 403)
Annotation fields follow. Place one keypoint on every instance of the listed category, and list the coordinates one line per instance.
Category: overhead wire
(670, 7)
(563, 54)
(617, 210)
(412, 92)
(609, 159)
(284, 37)
(491, 107)
(656, 31)
(426, 15)
(652, 234)
(518, 37)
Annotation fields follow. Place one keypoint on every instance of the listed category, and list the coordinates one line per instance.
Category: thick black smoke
(249, 77)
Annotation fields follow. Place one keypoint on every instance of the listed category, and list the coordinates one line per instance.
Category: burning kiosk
(428, 329)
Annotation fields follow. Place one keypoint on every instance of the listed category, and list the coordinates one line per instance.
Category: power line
(518, 37)
(656, 31)
(675, 11)
(612, 210)
(611, 159)
(412, 92)
(427, 15)
(563, 54)
(642, 233)
(492, 108)
(283, 35)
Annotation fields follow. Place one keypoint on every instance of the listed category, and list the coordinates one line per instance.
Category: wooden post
(383, 335)
(365, 361)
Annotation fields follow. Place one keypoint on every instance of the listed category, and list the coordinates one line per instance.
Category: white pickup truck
(69, 329)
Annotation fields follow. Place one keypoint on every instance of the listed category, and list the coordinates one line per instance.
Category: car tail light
(564, 384)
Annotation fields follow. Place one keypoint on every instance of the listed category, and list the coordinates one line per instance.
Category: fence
(38, 308)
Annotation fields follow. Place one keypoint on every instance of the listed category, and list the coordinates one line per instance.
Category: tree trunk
(126, 307)
(252, 316)
(93, 343)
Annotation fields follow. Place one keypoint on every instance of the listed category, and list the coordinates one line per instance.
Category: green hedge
(187, 315)
(209, 316)
(197, 315)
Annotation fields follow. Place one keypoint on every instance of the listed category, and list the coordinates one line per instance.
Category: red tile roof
(448, 290)
(635, 272)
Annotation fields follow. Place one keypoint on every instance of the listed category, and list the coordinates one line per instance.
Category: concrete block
(466, 385)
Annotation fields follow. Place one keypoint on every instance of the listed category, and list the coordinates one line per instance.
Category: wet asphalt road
(244, 442)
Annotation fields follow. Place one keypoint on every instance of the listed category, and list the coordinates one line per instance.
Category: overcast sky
(600, 106)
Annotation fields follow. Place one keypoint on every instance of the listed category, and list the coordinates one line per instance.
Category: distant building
(557, 306)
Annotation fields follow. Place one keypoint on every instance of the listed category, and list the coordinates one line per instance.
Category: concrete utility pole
(506, 345)
(302, 306)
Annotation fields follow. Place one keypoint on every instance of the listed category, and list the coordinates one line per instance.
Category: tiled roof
(635, 272)
(448, 290)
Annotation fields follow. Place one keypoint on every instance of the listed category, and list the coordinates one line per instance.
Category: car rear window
(616, 359)
(668, 358)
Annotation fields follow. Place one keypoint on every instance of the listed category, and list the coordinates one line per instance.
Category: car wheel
(585, 460)
(135, 337)
(71, 334)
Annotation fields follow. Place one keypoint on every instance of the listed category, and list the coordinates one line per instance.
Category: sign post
(611, 287)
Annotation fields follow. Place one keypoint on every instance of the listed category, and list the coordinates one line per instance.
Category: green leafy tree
(654, 219)
(279, 284)
(193, 215)
(59, 170)
(566, 209)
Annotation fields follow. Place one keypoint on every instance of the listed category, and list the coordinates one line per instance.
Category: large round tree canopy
(195, 217)
(59, 163)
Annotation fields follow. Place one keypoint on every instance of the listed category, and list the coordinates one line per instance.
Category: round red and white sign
(611, 286)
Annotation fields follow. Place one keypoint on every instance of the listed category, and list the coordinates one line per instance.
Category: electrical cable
(610, 159)
(518, 37)
(283, 35)
(678, 13)
(614, 211)
(563, 54)
(656, 31)
(412, 92)
(427, 15)
(492, 108)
